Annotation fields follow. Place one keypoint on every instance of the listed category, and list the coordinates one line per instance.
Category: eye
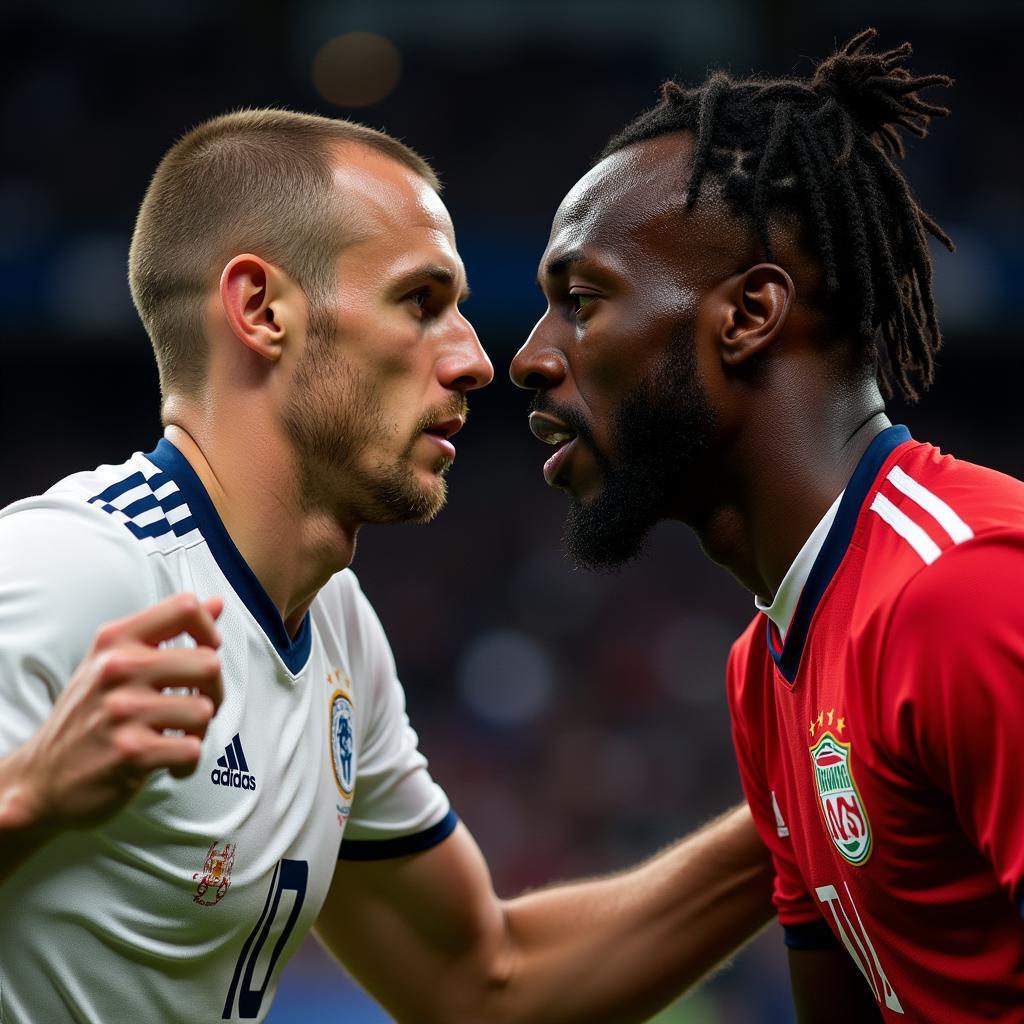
(420, 298)
(580, 301)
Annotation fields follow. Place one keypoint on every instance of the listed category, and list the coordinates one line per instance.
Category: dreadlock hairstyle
(826, 149)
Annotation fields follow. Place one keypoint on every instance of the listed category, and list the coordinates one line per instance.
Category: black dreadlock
(825, 148)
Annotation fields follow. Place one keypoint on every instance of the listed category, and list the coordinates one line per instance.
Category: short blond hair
(255, 181)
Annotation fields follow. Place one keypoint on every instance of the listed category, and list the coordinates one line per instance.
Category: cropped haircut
(256, 181)
(826, 150)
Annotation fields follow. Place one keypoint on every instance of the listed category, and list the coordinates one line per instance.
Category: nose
(465, 365)
(538, 365)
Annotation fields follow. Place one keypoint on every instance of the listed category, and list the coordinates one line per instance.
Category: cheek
(616, 355)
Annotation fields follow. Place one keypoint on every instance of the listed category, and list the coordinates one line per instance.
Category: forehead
(388, 211)
(621, 204)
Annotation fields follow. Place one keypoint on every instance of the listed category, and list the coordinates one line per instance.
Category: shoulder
(350, 615)
(932, 500)
(69, 546)
(949, 659)
(970, 591)
(65, 570)
(342, 598)
(950, 667)
(925, 506)
(70, 557)
(960, 525)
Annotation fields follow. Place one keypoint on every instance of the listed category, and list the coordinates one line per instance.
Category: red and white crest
(216, 874)
(842, 807)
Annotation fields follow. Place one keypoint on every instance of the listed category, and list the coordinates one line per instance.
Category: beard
(335, 420)
(661, 431)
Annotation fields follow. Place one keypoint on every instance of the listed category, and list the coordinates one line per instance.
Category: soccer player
(731, 291)
(199, 708)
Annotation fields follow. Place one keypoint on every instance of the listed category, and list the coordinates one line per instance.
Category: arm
(427, 936)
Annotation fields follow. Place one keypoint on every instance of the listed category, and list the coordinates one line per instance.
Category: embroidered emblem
(342, 743)
(216, 874)
(845, 815)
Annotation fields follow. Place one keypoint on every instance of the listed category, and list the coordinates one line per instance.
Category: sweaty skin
(784, 442)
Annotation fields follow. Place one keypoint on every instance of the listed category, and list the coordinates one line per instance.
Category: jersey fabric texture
(187, 904)
(879, 745)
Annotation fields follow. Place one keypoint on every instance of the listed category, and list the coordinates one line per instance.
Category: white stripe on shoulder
(954, 526)
(906, 528)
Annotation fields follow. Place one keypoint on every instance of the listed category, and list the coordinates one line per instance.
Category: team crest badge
(342, 743)
(215, 878)
(841, 805)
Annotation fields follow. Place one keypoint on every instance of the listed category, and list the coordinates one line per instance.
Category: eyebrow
(558, 265)
(437, 272)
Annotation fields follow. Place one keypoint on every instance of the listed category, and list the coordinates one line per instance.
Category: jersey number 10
(289, 876)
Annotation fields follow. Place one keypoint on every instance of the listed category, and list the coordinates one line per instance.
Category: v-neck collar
(294, 652)
(833, 550)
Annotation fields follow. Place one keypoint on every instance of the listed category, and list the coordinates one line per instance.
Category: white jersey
(186, 905)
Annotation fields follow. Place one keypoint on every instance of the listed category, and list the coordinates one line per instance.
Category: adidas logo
(233, 770)
(780, 823)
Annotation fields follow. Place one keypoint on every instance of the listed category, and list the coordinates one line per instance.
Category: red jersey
(881, 747)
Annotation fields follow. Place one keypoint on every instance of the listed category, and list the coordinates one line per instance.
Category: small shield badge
(343, 743)
(845, 815)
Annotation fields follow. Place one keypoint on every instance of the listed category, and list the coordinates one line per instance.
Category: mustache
(568, 415)
(458, 407)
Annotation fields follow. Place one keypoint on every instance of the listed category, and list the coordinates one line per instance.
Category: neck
(778, 483)
(250, 477)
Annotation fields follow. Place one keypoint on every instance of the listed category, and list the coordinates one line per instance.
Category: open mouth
(445, 428)
(549, 429)
(441, 432)
(561, 436)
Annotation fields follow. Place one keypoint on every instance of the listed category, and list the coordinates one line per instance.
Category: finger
(179, 754)
(161, 711)
(180, 613)
(190, 668)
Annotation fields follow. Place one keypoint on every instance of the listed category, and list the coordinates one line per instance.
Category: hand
(105, 735)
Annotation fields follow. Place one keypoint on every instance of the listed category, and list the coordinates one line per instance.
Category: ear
(757, 307)
(254, 296)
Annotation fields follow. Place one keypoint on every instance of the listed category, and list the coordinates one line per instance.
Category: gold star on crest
(831, 715)
(840, 725)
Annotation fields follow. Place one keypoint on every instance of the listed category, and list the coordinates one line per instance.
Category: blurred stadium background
(577, 721)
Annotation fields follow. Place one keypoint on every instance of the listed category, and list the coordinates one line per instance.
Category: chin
(415, 503)
(610, 528)
(431, 501)
(601, 548)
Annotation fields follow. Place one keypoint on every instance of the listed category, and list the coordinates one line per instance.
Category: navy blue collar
(294, 653)
(833, 550)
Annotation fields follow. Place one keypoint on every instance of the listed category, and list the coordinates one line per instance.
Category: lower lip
(554, 465)
(443, 443)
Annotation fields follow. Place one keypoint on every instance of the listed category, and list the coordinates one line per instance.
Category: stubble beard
(334, 419)
(661, 431)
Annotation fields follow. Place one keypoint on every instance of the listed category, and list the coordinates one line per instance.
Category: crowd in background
(577, 721)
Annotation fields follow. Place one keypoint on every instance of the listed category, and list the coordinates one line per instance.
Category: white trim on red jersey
(915, 534)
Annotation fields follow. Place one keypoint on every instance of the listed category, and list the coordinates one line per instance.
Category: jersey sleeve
(397, 807)
(65, 570)
(797, 909)
(953, 688)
